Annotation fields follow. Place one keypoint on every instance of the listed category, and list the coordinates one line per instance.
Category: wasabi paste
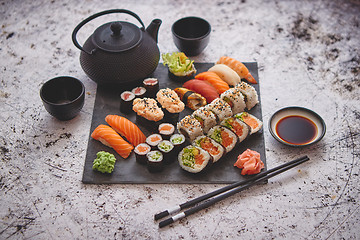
(104, 162)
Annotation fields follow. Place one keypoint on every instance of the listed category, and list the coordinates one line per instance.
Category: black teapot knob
(116, 28)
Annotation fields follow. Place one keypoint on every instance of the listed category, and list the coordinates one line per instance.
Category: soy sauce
(296, 130)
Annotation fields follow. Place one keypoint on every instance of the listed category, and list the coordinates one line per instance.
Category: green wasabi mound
(104, 162)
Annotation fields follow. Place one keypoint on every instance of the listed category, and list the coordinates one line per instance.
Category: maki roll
(220, 108)
(178, 140)
(191, 99)
(155, 161)
(254, 123)
(250, 94)
(224, 136)
(170, 103)
(240, 128)
(190, 127)
(166, 148)
(152, 86)
(153, 140)
(235, 99)
(166, 130)
(148, 113)
(139, 92)
(181, 68)
(126, 101)
(211, 146)
(140, 152)
(206, 118)
(194, 159)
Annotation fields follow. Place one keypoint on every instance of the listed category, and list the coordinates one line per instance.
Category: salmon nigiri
(109, 137)
(126, 128)
(214, 79)
(238, 67)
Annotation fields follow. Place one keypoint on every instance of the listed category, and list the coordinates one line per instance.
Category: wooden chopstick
(224, 193)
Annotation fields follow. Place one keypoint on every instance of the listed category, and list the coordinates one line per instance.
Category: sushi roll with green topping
(211, 146)
(181, 68)
(166, 148)
(178, 140)
(155, 161)
(224, 136)
(240, 128)
(194, 159)
(254, 123)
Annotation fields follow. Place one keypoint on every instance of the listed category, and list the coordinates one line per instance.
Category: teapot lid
(117, 36)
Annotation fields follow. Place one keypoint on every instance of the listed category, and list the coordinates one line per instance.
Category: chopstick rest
(223, 193)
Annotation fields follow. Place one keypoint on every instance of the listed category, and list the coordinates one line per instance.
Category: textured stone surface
(308, 55)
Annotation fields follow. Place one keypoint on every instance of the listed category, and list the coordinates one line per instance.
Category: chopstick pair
(223, 193)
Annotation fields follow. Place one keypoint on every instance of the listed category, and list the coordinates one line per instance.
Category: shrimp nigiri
(238, 67)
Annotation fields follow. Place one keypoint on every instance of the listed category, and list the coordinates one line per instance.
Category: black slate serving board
(129, 171)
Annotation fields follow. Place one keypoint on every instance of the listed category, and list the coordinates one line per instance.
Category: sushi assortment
(219, 121)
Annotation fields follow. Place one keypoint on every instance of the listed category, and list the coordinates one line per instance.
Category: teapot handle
(77, 28)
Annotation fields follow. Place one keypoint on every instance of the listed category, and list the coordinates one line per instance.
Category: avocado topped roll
(194, 159)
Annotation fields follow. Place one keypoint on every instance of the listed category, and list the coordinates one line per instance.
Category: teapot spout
(153, 29)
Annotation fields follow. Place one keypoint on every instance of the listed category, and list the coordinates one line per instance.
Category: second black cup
(191, 35)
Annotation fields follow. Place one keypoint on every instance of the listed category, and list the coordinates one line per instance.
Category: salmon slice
(238, 67)
(214, 80)
(126, 128)
(109, 137)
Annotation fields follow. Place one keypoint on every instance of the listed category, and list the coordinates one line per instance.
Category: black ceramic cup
(63, 97)
(191, 35)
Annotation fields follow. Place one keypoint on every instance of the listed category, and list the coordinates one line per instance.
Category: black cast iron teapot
(119, 53)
